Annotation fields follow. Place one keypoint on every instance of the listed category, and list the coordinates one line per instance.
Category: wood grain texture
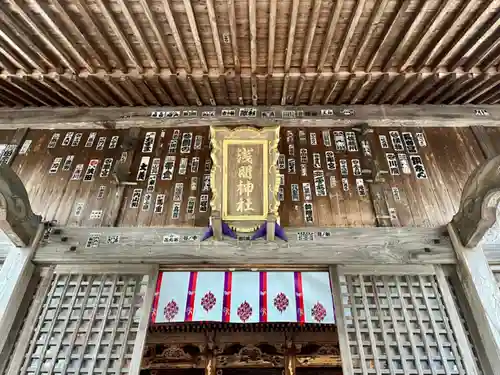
(449, 156)
(342, 245)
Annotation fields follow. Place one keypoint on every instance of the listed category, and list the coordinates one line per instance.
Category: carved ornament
(266, 140)
(17, 219)
(248, 356)
(478, 205)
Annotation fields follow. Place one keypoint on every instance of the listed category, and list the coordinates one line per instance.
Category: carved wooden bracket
(478, 206)
(17, 219)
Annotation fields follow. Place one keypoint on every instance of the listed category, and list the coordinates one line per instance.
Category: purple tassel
(227, 231)
(208, 233)
(261, 232)
(280, 232)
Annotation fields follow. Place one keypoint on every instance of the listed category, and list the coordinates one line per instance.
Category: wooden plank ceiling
(266, 52)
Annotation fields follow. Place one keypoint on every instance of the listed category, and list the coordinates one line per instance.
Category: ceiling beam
(83, 61)
(493, 84)
(20, 99)
(70, 87)
(464, 34)
(24, 81)
(332, 86)
(376, 90)
(374, 20)
(195, 34)
(385, 35)
(118, 31)
(457, 85)
(100, 34)
(346, 40)
(96, 84)
(408, 31)
(47, 40)
(117, 90)
(270, 48)
(14, 43)
(14, 60)
(424, 87)
(394, 86)
(481, 79)
(408, 86)
(442, 86)
(332, 24)
(431, 26)
(289, 49)
(488, 45)
(236, 54)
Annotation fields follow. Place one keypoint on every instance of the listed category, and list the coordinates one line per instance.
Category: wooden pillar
(15, 275)
(482, 294)
(476, 216)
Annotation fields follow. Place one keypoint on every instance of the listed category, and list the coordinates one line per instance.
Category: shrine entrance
(238, 323)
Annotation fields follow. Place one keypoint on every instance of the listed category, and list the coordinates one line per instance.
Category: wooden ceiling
(248, 52)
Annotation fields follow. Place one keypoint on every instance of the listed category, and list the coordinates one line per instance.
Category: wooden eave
(90, 53)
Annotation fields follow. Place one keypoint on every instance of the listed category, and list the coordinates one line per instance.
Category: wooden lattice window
(401, 324)
(88, 324)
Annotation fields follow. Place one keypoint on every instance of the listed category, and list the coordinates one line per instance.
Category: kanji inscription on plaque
(245, 175)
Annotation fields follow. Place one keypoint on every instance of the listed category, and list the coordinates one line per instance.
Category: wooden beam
(86, 14)
(408, 30)
(334, 82)
(32, 82)
(95, 83)
(311, 29)
(489, 94)
(455, 87)
(350, 245)
(481, 290)
(450, 27)
(464, 33)
(130, 87)
(298, 91)
(15, 45)
(208, 87)
(409, 85)
(47, 40)
(377, 88)
(358, 91)
(373, 21)
(49, 85)
(491, 60)
(6, 100)
(173, 80)
(111, 21)
(484, 141)
(117, 90)
(212, 18)
(196, 36)
(272, 36)
(385, 116)
(395, 85)
(422, 40)
(284, 91)
(35, 100)
(234, 36)
(346, 89)
(252, 21)
(481, 79)
(192, 86)
(165, 96)
(83, 40)
(314, 91)
(332, 24)
(75, 91)
(18, 64)
(21, 34)
(385, 35)
(20, 99)
(346, 40)
(291, 35)
(443, 85)
(489, 45)
(94, 95)
(425, 86)
(139, 35)
(63, 37)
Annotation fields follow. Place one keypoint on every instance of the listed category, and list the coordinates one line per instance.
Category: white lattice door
(399, 321)
(90, 322)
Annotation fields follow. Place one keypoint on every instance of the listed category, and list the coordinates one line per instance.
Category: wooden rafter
(196, 36)
(480, 80)
(64, 39)
(332, 86)
(173, 80)
(289, 49)
(411, 83)
(94, 83)
(313, 21)
(7, 100)
(176, 34)
(165, 96)
(443, 85)
(117, 90)
(448, 28)
(332, 24)
(24, 81)
(489, 95)
(346, 40)
(298, 90)
(75, 30)
(192, 87)
(423, 39)
(212, 18)
(20, 99)
(465, 33)
(252, 19)
(272, 36)
(128, 86)
(455, 87)
(100, 34)
(117, 30)
(346, 90)
(394, 86)
(376, 90)
(14, 44)
(374, 20)
(34, 84)
(12, 59)
(47, 40)
(13, 29)
(90, 92)
(149, 91)
(489, 45)
(208, 87)
(358, 91)
(424, 87)
(408, 30)
(70, 88)
(132, 21)
(385, 34)
(314, 91)
(487, 86)
(50, 86)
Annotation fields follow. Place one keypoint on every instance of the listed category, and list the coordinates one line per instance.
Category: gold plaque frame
(221, 138)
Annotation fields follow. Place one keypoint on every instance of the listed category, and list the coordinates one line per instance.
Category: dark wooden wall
(449, 157)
